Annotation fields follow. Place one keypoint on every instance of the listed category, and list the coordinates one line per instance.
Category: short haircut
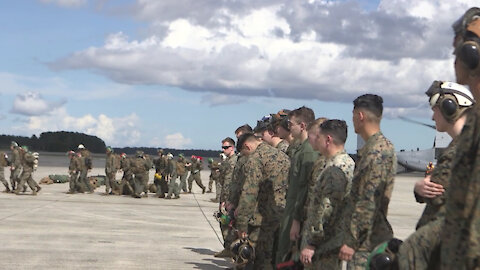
(316, 123)
(228, 140)
(244, 129)
(303, 114)
(371, 103)
(245, 137)
(337, 129)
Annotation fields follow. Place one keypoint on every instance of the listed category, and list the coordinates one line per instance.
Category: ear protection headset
(467, 28)
(451, 98)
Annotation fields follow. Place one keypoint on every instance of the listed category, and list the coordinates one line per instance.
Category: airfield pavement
(55, 230)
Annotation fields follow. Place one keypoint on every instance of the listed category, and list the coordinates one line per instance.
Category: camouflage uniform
(324, 210)
(15, 167)
(195, 170)
(262, 201)
(421, 249)
(366, 212)
(86, 164)
(283, 146)
(73, 169)
(161, 164)
(173, 185)
(127, 178)
(302, 160)
(26, 177)
(214, 174)
(140, 168)
(226, 175)
(461, 234)
(3, 164)
(110, 172)
(182, 172)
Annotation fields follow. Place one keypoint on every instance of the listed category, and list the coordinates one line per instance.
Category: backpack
(88, 162)
(3, 160)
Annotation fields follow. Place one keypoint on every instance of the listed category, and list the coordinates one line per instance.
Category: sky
(186, 73)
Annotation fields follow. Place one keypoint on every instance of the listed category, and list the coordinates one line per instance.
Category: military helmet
(169, 155)
(180, 155)
(25, 148)
(451, 98)
(123, 155)
(14, 144)
(160, 150)
(109, 149)
(71, 152)
(210, 160)
(139, 153)
(80, 146)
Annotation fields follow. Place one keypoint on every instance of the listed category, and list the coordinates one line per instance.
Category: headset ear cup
(449, 108)
(469, 54)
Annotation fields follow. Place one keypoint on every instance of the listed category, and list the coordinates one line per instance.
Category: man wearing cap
(85, 167)
(127, 178)
(110, 171)
(182, 172)
(214, 173)
(140, 171)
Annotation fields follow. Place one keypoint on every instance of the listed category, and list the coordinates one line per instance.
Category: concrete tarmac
(55, 230)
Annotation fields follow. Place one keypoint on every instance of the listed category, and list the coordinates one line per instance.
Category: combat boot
(209, 191)
(177, 197)
(225, 253)
(203, 190)
(38, 189)
(168, 197)
(34, 192)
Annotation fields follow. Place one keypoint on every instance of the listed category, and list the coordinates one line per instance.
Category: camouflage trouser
(139, 181)
(421, 250)
(218, 190)
(173, 186)
(210, 183)
(109, 181)
(183, 182)
(15, 177)
(198, 180)
(83, 180)
(127, 184)
(26, 177)
(2, 178)
(262, 239)
(72, 181)
(359, 261)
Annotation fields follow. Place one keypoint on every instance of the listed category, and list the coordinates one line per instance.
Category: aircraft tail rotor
(416, 122)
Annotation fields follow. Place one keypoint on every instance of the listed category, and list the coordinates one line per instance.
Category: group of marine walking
(292, 198)
(22, 163)
(169, 180)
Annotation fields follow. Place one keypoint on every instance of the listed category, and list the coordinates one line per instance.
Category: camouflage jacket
(372, 185)
(140, 165)
(126, 166)
(283, 146)
(461, 234)
(27, 162)
(172, 168)
(161, 164)
(262, 200)
(74, 165)
(324, 210)
(214, 170)
(16, 159)
(441, 175)
(238, 178)
(226, 175)
(110, 163)
(301, 168)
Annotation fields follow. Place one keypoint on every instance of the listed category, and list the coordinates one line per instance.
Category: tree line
(64, 141)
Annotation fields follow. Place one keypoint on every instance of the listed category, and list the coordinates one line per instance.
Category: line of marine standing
(292, 198)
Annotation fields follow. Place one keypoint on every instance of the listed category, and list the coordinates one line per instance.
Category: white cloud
(116, 131)
(176, 141)
(331, 51)
(66, 3)
(32, 103)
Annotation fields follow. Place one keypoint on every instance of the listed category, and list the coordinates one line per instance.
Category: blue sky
(186, 74)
